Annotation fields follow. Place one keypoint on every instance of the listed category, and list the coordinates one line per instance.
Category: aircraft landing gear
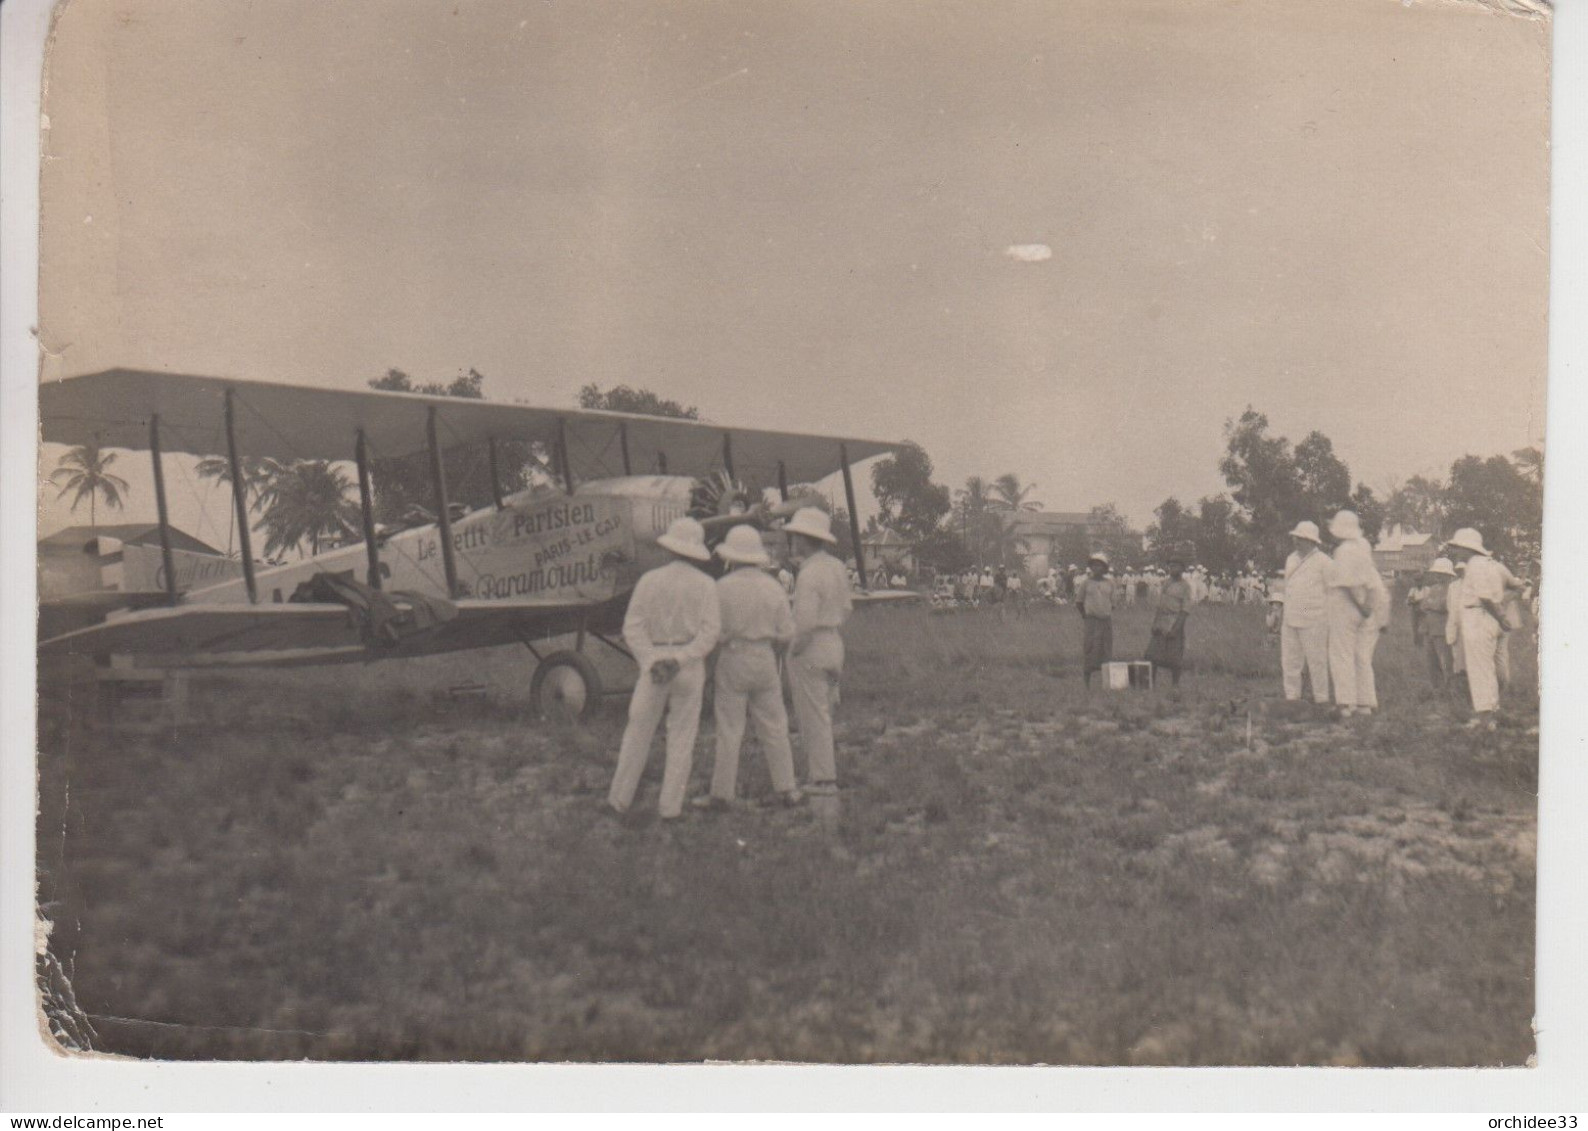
(566, 687)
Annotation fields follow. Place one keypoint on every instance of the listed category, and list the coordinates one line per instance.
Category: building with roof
(890, 548)
(1401, 551)
(1042, 536)
(86, 559)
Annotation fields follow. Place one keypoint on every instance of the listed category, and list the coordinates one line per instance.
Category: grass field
(350, 864)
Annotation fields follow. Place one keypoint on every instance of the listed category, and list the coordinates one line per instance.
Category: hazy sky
(799, 214)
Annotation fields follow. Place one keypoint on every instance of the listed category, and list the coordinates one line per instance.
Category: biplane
(557, 560)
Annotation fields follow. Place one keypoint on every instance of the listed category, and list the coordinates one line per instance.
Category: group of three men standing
(1336, 606)
(678, 616)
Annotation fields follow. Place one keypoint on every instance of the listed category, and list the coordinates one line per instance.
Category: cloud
(1029, 252)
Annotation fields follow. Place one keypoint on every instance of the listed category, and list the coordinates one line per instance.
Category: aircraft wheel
(566, 687)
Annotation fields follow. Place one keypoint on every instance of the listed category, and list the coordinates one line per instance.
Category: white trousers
(748, 688)
(1481, 641)
(1305, 649)
(1352, 642)
(813, 676)
(679, 699)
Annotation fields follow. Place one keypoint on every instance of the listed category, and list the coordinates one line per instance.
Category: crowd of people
(992, 586)
(1329, 609)
(1465, 607)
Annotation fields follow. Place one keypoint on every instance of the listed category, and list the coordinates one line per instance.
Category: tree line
(1272, 484)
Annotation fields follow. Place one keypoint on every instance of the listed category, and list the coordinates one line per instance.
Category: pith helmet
(1344, 525)
(1468, 539)
(813, 522)
(686, 538)
(743, 545)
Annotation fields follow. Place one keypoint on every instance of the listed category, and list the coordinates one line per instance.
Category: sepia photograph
(660, 532)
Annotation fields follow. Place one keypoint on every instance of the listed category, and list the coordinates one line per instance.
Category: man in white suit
(671, 627)
(1304, 633)
(1482, 622)
(1358, 610)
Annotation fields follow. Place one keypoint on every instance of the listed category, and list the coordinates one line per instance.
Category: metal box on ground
(1120, 675)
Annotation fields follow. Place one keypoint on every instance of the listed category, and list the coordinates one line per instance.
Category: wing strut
(623, 442)
(438, 476)
(563, 463)
(782, 480)
(727, 453)
(240, 501)
(366, 507)
(496, 475)
(854, 515)
(164, 514)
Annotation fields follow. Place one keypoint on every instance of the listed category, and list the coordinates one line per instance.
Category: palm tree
(258, 474)
(973, 500)
(308, 501)
(265, 479)
(82, 472)
(1009, 495)
(972, 503)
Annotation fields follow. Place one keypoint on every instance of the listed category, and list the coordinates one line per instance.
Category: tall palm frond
(83, 472)
(308, 502)
(1009, 495)
(258, 474)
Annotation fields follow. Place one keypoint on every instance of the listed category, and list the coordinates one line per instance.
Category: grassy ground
(347, 863)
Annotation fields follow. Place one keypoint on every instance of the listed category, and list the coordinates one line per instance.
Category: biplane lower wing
(302, 633)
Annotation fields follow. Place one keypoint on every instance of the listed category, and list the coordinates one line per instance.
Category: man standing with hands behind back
(671, 627)
(816, 660)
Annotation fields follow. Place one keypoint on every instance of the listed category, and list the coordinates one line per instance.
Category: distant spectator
(1095, 596)
(1166, 648)
(1429, 600)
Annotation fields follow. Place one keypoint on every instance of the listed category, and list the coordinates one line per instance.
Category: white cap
(686, 538)
(1098, 556)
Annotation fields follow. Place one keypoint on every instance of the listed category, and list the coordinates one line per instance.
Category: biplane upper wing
(113, 409)
(304, 629)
